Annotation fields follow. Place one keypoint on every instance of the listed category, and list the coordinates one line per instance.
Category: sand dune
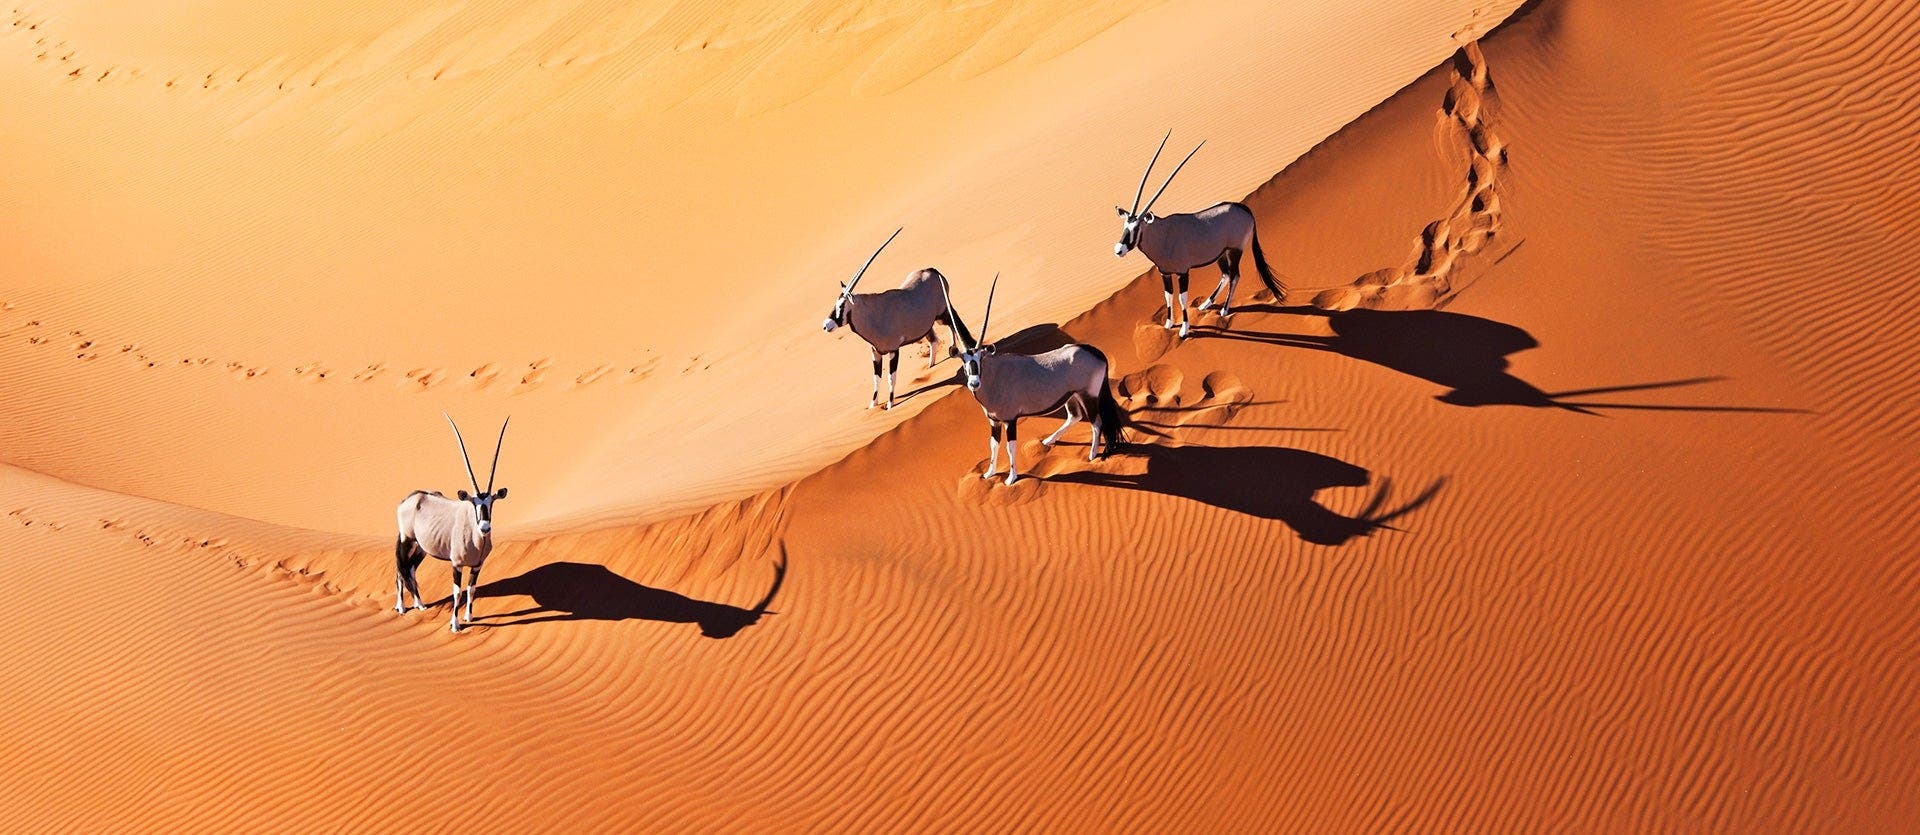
(603, 217)
(1565, 491)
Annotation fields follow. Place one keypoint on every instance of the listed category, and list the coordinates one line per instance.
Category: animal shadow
(579, 591)
(1036, 339)
(1466, 354)
(1268, 482)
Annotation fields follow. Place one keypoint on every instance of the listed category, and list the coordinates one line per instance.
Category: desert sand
(1567, 488)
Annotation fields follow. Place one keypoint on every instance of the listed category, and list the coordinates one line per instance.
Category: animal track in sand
(87, 348)
(1428, 277)
(536, 371)
(156, 536)
(747, 58)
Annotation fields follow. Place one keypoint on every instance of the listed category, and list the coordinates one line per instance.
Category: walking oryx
(1176, 244)
(459, 531)
(1012, 386)
(890, 319)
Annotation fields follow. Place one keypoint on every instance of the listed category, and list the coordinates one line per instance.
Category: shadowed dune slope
(1591, 513)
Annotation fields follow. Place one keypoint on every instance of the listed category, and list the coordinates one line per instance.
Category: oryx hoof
(454, 627)
(1206, 303)
(399, 610)
(988, 476)
(1011, 478)
(418, 606)
(1185, 329)
(1169, 323)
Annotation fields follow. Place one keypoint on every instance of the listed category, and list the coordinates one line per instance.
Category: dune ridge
(1607, 534)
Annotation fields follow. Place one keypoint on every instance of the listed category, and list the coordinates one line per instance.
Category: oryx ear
(843, 287)
(500, 493)
(463, 495)
(1123, 212)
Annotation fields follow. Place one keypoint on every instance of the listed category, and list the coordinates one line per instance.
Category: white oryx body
(458, 530)
(446, 529)
(1177, 244)
(1009, 387)
(892, 319)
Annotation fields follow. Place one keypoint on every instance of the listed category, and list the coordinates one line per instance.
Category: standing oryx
(1012, 386)
(890, 319)
(459, 531)
(1176, 244)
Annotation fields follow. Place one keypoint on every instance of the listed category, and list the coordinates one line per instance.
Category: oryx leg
(1166, 291)
(453, 621)
(1186, 324)
(1230, 276)
(933, 347)
(401, 547)
(1048, 441)
(473, 579)
(1013, 434)
(1091, 406)
(1218, 288)
(993, 448)
(413, 577)
(893, 374)
(875, 399)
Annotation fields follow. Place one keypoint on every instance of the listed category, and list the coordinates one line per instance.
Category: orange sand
(1595, 519)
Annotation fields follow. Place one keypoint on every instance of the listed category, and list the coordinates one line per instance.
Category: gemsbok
(1176, 244)
(1012, 386)
(891, 319)
(459, 531)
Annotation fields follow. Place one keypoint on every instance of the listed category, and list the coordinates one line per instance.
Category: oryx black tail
(1266, 272)
(1111, 418)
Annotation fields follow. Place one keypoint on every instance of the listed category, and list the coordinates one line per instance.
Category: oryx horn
(1149, 172)
(987, 316)
(463, 450)
(951, 315)
(1176, 172)
(876, 254)
(496, 452)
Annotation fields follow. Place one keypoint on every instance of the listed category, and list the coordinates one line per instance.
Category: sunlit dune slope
(1578, 503)
(256, 242)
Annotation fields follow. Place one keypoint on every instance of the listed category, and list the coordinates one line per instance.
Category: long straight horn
(1149, 172)
(1176, 171)
(463, 451)
(951, 315)
(876, 254)
(496, 452)
(987, 316)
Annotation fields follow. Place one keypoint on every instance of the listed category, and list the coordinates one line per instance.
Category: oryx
(1012, 386)
(890, 319)
(459, 531)
(1176, 244)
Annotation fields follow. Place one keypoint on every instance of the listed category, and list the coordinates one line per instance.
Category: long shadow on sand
(1268, 482)
(580, 591)
(1466, 354)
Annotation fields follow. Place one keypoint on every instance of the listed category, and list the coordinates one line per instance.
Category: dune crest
(1609, 531)
(1426, 279)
